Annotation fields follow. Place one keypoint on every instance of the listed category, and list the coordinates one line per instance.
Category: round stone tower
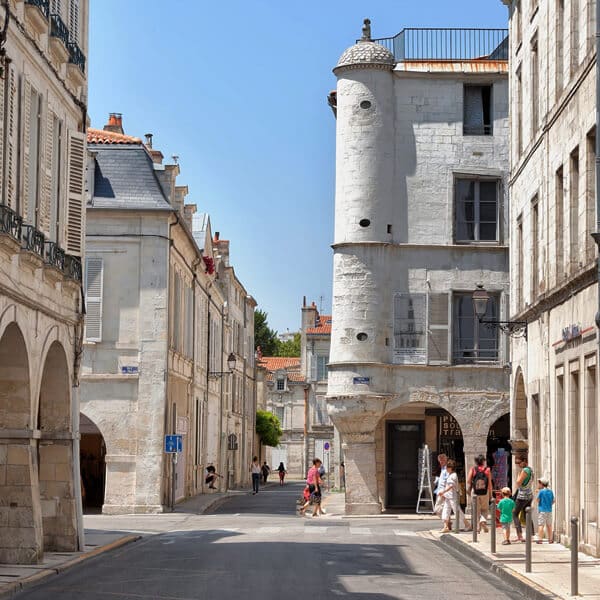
(362, 324)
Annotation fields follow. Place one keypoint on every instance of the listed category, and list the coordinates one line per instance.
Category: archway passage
(57, 489)
(92, 450)
(15, 396)
(498, 452)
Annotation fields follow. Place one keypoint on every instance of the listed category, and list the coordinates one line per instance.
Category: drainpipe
(596, 235)
(305, 443)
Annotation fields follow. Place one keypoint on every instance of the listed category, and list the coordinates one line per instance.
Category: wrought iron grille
(448, 44)
(32, 240)
(55, 255)
(76, 56)
(10, 222)
(58, 29)
(72, 268)
(43, 5)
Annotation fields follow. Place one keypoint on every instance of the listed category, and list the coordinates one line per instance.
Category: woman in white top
(255, 470)
(450, 496)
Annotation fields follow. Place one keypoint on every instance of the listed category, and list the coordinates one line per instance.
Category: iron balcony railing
(58, 29)
(32, 240)
(72, 267)
(10, 222)
(55, 256)
(448, 44)
(76, 56)
(43, 5)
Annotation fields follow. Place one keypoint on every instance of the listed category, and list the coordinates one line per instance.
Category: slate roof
(125, 179)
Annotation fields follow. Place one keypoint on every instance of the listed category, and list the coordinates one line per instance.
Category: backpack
(479, 483)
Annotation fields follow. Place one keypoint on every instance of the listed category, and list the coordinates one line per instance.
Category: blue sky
(238, 91)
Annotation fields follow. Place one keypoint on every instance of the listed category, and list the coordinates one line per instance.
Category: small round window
(362, 336)
(365, 104)
(364, 222)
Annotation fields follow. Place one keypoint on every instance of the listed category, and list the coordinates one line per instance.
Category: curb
(11, 589)
(528, 588)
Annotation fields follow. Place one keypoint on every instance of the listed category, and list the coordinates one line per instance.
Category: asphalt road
(256, 547)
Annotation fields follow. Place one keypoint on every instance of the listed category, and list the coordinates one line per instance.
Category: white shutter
(75, 196)
(438, 329)
(2, 200)
(74, 21)
(11, 160)
(94, 274)
(27, 211)
(45, 202)
(312, 363)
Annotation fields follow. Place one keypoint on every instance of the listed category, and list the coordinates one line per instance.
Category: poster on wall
(410, 321)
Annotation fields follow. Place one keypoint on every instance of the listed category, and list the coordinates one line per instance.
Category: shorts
(544, 518)
(506, 526)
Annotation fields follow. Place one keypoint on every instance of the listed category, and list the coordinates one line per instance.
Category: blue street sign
(173, 444)
(361, 380)
(326, 445)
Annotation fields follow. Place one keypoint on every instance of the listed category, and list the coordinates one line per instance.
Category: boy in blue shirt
(545, 500)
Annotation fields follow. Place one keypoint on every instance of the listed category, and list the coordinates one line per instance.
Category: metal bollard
(574, 557)
(474, 517)
(457, 514)
(493, 525)
(528, 539)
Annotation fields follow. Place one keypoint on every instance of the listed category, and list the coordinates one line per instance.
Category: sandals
(506, 543)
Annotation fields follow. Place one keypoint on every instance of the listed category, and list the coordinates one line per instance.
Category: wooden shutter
(74, 21)
(12, 139)
(75, 196)
(94, 274)
(47, 163)
(27, 211)
(438, 329)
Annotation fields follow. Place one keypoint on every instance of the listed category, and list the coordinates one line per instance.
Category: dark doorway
(498, 452)
(93, 466)
(403, 442)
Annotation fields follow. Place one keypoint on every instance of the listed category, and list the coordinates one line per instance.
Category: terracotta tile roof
(274, 363)
(323, 326)
(99, 136)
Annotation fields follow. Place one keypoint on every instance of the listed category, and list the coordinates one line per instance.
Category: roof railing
(447, 44)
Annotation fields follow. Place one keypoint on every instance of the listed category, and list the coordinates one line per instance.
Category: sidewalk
(550, 565)
(104, 533)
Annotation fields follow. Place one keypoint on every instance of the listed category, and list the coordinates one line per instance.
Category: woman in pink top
(313, 481)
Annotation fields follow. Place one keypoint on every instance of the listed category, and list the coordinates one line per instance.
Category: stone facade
(42, 156)
(420, 219)
(165, 305)
(554, 383)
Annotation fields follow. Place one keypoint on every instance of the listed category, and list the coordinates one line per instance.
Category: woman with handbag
(524, 494)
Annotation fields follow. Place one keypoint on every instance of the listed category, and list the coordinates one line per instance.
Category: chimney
(115, 123)
(217, 234)
(148, 137)
(188, 214)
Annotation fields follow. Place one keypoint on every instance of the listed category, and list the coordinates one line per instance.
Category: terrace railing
(43, 5)
(448, 44)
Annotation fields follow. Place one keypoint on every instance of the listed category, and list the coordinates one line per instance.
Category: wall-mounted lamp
(231, 360)
(480, 302)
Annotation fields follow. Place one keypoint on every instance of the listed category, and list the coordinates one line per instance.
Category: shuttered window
(94, 268)
(75, 197)
(12, 141)
(438, 329)
(31, 167)
(74, 21)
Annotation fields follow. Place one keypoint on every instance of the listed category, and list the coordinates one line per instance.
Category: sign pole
(173, 475)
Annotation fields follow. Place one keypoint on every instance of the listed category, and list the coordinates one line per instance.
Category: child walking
(506, 507)
(545, 500)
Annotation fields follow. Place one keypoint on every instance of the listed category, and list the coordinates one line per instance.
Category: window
(322, 367)
(188, 330)
(279, 412)
(535, 87)
(590, 200)
(519, 111)
(476, 208)
(518, 23)
(33, 109)
(409, 328)
(280, 384)
(177, 312)
(574, 211)
(438, 328)
(74, 21)
(574, 50)
(535, 230)
(55, 166)
(559, 210)
(559, 44)
(519, 258)
(321, 417)
(477, 110)
(474, 341)
(93, 301)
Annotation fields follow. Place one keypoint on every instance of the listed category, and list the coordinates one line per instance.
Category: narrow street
(257, 547)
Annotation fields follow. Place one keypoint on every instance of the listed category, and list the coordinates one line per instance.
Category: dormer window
(280, 384)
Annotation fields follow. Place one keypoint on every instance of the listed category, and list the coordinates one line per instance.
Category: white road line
(268, 530)
(404, 533)
(315, 529)
(360, 530)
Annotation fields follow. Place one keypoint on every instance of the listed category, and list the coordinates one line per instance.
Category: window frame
(488, 130)
(477, 179)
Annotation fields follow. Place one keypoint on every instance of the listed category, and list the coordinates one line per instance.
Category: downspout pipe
(596, 235)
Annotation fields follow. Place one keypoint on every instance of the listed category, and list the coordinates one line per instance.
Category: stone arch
(15, 383)
(519, 410)
(56, 476)
(92, 454)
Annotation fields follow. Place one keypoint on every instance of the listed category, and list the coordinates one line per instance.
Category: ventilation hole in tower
(389, 229)
(364, 222)
(362, 336)
(365, 104)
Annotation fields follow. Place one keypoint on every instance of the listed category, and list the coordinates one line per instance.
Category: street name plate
(361, 380)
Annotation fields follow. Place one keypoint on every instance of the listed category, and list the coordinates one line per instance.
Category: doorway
(92, 452)
(403, 442)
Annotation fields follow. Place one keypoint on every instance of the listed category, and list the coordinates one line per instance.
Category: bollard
(493, 525)
(574, 558)
(457, 514)
(528, 539)
(474, 517)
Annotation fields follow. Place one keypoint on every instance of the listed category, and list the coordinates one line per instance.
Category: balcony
(10, 231)
(36, 15)
(442, 44)
(76, 65)
(72, 268)
(59, 39)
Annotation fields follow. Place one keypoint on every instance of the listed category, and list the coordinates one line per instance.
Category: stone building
(43, 94)
(554, 380)
(295, 389)
(158, 334)
(420, 219)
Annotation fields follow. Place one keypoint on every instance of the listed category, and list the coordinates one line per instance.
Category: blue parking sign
(173, 444)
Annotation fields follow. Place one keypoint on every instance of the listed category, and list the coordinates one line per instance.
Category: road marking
(404, 533)
(360, 530)
(268, 530)
(315, 529)
(232, 529)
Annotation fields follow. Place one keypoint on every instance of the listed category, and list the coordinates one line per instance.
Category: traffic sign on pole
(173, 444)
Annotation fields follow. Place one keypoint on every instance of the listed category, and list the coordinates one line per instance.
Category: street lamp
(513, 328)
(231, 360)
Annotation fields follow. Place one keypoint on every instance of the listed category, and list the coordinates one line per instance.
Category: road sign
(361, 380)
(173, 444)
(326, 446)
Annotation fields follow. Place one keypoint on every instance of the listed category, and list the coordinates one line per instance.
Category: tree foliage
(264, 336)
(268, 428)
(289, 347)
